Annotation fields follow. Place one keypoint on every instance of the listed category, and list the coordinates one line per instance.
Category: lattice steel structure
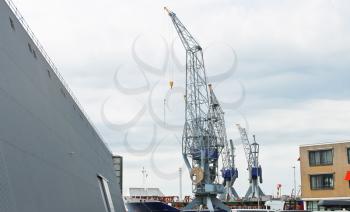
(254, 168)
(229, 171)
(201, 145)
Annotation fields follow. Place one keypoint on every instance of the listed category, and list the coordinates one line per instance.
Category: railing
(48, 59)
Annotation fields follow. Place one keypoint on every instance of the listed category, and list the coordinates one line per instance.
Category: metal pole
(180, 175)
(294, 183)
(258, 193)
(164, 111)
(144, 179)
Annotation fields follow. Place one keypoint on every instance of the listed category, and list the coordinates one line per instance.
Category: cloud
(293, 59)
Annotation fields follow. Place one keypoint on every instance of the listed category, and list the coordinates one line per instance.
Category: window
(348, 150)
(106, 194)
(321, 157)
(12, 24)
(312, 206)
(321, 181)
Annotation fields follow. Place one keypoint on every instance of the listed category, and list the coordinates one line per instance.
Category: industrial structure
(204, 136)
(229, 171)
(255, 171)
(118, 170)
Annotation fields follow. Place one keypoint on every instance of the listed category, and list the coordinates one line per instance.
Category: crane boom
(246, 145)
(189, 43)
(200, 145)
(255, 171)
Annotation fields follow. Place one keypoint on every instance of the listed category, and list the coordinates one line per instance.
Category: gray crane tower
(229, 171)
(254, 168)
(201, 146)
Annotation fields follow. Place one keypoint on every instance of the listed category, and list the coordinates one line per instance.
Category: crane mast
(255, 171)
(229, 171)
(200, 145)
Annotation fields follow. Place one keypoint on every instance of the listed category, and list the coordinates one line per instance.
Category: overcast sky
(288, 83)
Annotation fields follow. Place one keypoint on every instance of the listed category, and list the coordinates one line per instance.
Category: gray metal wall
(49, 153)
(118, 170)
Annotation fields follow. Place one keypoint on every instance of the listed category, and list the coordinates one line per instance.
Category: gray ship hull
(51, 157)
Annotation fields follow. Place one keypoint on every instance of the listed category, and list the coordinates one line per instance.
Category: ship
(149, 200)
(51, 156)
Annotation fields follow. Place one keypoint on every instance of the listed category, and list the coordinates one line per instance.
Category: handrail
(52, 65)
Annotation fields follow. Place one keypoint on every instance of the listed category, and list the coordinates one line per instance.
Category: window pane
(313, 182)
(319, 181)
(324, 181)
(312, 158)
(311, 205)
(328, 159)
(317, 158)
(331, 181)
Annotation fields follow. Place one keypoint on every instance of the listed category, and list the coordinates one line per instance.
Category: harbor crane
(255, 171)
(229, 171)
(201, 146)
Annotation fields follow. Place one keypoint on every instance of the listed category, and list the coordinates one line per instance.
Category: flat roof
(325, 143)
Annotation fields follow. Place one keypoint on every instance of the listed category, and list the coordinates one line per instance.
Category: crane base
(229, 194)
(211, 202)
(254, 191)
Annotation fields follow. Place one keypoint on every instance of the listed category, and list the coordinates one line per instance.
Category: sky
(279, 68)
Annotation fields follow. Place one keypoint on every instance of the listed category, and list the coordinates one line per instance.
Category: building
(325, 173)
(118, 169)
